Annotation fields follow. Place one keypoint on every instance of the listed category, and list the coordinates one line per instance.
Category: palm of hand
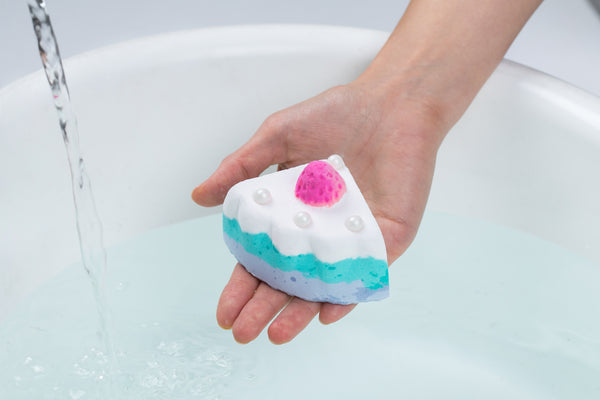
(388, 148)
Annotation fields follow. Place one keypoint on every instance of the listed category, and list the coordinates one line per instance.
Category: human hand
(388, 145)
(387, 125)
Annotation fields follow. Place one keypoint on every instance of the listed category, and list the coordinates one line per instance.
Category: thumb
(260, 152)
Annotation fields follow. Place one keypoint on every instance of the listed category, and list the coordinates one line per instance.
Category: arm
(445, 50)
(388, 124)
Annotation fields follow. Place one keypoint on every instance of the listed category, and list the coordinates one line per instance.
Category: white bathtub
(156, 116)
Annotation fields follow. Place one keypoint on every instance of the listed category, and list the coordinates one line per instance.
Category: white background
(562, 38)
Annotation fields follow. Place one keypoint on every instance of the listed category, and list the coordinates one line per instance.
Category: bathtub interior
(157, 115)
(171, 108)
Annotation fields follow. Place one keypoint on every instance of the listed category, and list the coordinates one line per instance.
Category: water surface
(476, 311)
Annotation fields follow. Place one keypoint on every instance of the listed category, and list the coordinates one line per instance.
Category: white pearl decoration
(336, 162)
(354, 223)
(262, 196)
(302, 219)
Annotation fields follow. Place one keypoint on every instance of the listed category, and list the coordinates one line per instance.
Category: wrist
(442, 52)
(438, 88)
(409, 95)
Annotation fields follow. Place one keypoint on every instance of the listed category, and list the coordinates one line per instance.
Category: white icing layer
(327, 236)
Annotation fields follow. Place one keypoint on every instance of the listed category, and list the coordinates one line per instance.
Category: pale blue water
(476, 311)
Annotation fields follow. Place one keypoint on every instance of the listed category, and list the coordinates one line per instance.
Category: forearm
(443, 51)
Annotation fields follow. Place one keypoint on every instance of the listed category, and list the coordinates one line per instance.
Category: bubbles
(187, 364)
(180, 361)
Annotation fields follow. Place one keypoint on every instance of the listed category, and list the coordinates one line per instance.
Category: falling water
(89, 227)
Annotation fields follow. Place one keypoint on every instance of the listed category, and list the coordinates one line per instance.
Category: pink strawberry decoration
(320, 185)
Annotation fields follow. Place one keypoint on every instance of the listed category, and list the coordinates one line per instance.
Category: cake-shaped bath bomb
(309, 232)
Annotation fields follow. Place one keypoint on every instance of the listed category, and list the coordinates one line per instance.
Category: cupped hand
(387, 125)
(388, 141)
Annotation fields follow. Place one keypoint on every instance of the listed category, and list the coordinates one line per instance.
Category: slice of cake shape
(308, 232)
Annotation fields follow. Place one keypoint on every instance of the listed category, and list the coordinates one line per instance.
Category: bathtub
(157, 115)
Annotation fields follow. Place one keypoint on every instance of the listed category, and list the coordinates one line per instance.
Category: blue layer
(372, 272)
(295, 284)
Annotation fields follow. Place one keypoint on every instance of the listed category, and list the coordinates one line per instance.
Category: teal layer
(372, 272)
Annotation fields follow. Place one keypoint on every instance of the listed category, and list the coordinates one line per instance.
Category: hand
(387, 125)
(389, 145)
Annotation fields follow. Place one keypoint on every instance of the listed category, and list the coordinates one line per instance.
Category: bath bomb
(308, 232)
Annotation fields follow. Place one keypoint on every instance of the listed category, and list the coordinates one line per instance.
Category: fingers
(247, 305)
(265, 148)
(238, 291)
(292, 320)
(331, 313)
(258, 312)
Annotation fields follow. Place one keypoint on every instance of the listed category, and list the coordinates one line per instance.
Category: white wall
(561, 39)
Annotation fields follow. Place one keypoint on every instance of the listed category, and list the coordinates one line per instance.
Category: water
(89, 227)
(476, 311)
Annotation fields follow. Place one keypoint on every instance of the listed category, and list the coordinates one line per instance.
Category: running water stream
(89, 227)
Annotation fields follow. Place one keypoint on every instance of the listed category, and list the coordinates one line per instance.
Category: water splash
(89, 227)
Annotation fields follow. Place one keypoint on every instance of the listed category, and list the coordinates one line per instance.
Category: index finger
(267, 147)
